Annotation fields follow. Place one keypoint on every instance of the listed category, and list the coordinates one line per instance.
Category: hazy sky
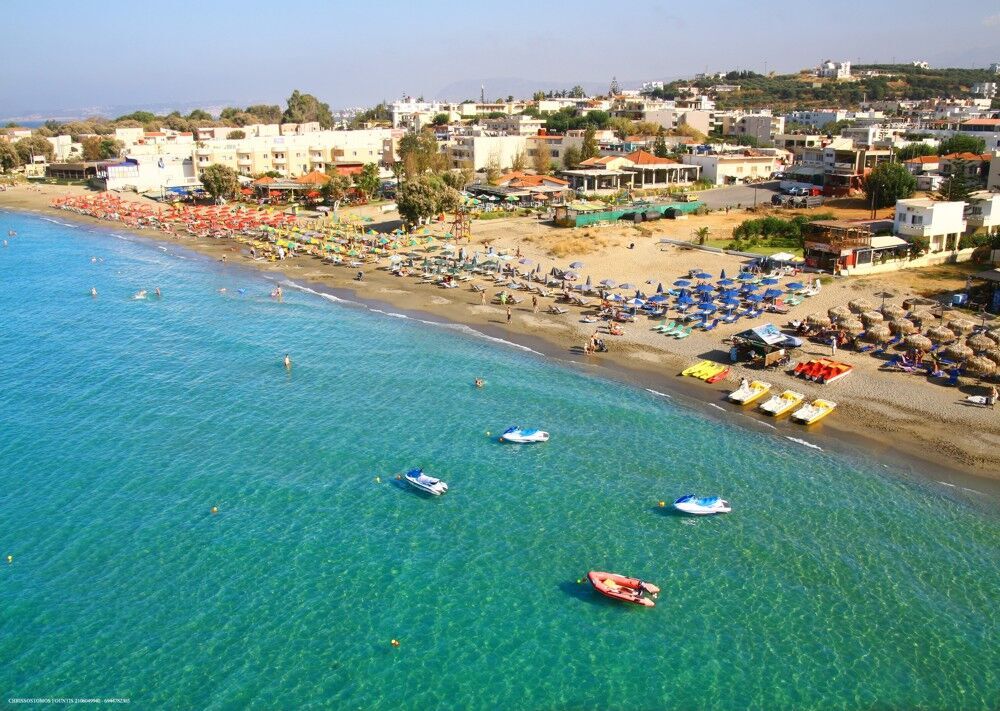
(79, 54)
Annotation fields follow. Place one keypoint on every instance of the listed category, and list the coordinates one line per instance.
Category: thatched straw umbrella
(978, 365)
(918, 342)
(940, 334)
(921, 318)
(902, 326)
(980, 342)
(870, 318)
(838, 313)
(878, 334)
(817, 319)
(993, 354)
(961, 326)
(956, 351)
(994, 333)
(891, 311)
(859, 306)
(852, 325)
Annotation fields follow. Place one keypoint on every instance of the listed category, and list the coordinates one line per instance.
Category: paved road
(742, 195)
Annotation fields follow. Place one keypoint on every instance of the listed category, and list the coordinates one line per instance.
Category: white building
(476, 153)
(984, 211)
(731, 169)
(818, 118)
(834, 70)
(648, 86)
(762, 125)
(993, 179)
(995, 67)
(942, 223)
(157, 174)
(985, 89)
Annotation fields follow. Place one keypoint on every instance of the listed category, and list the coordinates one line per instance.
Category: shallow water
(834, 584)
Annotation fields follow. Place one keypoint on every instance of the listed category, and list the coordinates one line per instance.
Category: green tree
(956, 186)
(440, 119)
(571, 158)
(915, 150)
(701, 234)
(220, 181)
(265, 113)
(425, 196)
(199, 115)
(101, 148)
(960, 143)
(34, 146)
(419, 153)
(334, 190)
(9, 158)
(304, 108)
(577, 92)
(542, 162)
(236, 135)
(660, 149)
(493, 168)
(519, 162)
(887, 183)
(457, 179)
(590, 147)
(367, 181)
(140, 116)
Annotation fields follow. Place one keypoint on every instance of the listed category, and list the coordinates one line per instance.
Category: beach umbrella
(879, 333)
(770, 281)
(993, 354)
(956, 351)
(961, 326)
(661, 298)
(773, 293)
(702, 275)
(795, 285)
(588, 282)
(872, 317)
(940, 334)
(618, 298)
(609, 283)
(707, 308)
(524, 260)
(902, 327)
(685, 300)
(980, 342)
(725, 282)
(576, 265)
(980, 366)
(570, 276)
(659, 288)
(852, 325)
(580, 287)
(722, 275)
(704, 288)
(918, 342)
(858, 306)
(891, 311)
(818, 319)
(838, 313)
(746, 276)
(682, 283)
(626, 285)
(636, 302)
(756, 298)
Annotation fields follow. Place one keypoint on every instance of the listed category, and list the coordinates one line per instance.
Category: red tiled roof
(981, 122)
(598, 160)
(266, 180)
(154, 133)
(967, 156)
(924, 159)
(647, 158)
(517, 179)
(313, 178)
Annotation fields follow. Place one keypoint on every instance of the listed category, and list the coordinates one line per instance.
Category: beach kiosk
(763, 345)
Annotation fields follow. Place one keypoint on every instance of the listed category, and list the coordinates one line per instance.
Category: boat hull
(622, 588)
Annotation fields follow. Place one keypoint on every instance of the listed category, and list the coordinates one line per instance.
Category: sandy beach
(891, 416)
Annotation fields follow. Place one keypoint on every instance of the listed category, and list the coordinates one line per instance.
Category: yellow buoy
(662, 504)
(10, 559)
(395, 643)
(215, 509)
(378, 480)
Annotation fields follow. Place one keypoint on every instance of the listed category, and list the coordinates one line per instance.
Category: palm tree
(701, 234)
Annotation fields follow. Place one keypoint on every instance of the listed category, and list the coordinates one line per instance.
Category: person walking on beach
(833, 344)
(508, 315)
(534, 304)
(482, 297)
(991, 399)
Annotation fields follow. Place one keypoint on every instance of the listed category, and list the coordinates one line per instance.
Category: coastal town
(451, 356)
(869, 232)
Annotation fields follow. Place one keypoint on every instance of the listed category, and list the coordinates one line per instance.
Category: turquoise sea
(836, 583)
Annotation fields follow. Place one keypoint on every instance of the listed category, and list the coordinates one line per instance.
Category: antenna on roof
(482, 93)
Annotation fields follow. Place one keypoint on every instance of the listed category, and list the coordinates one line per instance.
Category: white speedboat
(702, 506)
(519, 435)
(418, 480)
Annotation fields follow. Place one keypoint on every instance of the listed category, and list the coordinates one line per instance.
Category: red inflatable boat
(624, 589)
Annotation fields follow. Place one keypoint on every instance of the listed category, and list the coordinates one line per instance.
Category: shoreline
(916, 455)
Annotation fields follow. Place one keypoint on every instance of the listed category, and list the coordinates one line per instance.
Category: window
(917, 219)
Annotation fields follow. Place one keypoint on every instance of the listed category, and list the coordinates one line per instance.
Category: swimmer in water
(158, 294)
(93, 260)
(141, 294)
(277, 293)
(288, 362)
(480, 382)
(223, 290)
(5, 243)
(93, 291)
(11, 233)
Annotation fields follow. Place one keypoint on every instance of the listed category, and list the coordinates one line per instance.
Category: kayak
(705, 370)
(619, 587)
(721, 375)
